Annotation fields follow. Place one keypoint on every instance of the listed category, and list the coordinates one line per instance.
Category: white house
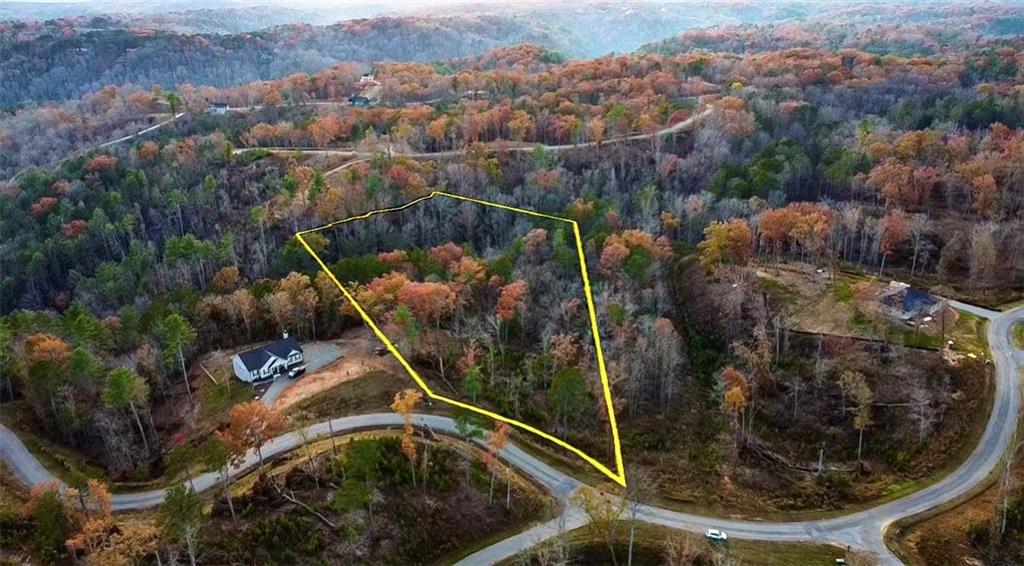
(266, 362)
(219, 108)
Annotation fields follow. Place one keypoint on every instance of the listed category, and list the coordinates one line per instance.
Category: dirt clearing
(359, 359)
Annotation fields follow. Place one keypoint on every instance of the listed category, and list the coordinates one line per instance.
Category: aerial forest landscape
(519, 283)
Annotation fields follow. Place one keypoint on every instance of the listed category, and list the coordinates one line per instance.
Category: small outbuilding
(268, 361)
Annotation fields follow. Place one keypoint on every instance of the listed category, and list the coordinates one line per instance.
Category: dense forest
(747, 200)
(54, 61)
(919, 29)
(60, 59)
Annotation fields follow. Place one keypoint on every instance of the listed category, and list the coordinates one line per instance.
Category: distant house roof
(910, 301)
(219, 104)
(257, 357)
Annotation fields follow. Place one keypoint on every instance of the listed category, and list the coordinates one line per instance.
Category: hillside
(56, 60)
(595, 28)
(944, 28)
(759, 283)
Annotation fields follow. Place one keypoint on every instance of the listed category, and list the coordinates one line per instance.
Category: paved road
(862, 530)
(571, 518)
(501, 145)
(315, 355)
(29, 470)
(142, 132)
(865, 529)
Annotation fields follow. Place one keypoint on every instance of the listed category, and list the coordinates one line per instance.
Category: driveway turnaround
(315, 356)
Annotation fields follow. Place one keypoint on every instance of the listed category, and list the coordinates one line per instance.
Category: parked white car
(716, 534)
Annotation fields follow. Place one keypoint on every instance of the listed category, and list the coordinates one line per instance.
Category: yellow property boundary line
(619, 475)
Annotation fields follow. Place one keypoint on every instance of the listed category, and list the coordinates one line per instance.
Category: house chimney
(284, 335)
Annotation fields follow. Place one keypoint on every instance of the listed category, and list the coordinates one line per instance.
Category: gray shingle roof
(255, 359)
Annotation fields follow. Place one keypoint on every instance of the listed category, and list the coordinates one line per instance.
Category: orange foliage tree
(496, 441)
(727, 242)
(250, 426)
(511, 300)
(736, 398)
(895, 229)
(404, 404)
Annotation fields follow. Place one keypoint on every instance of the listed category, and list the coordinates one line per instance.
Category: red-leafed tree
(42, 206)
(101, 163)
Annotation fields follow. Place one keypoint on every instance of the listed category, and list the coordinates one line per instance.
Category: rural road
(142, 132)
(102, 145)
(520, 147)
(29, 470)
(862, 530)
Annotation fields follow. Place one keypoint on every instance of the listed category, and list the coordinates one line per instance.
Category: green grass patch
(861, 324)
(1018, 335)
(899, 488)
(913, 338)
(970, 333)
(216, 400)
(779, 291)
(843, 291)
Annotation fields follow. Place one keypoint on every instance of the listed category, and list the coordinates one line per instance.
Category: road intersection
(862, 530)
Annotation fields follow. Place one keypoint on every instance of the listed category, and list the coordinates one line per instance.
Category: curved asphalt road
(862, 530)
(29, 470)
(520, 147)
